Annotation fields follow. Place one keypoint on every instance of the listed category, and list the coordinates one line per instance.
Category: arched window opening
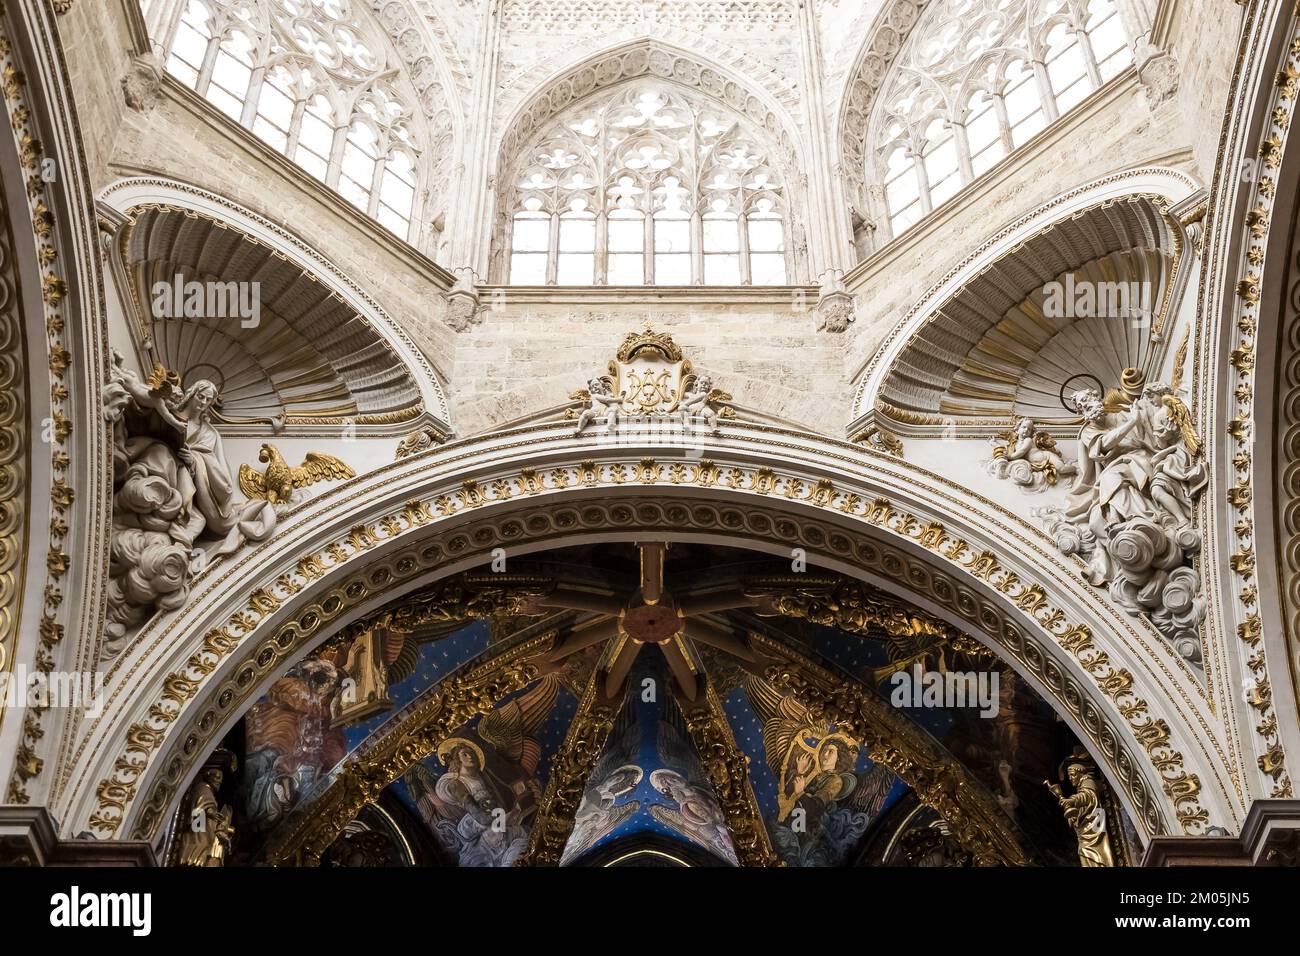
(305, 77)
(977, 80)
(647, 185)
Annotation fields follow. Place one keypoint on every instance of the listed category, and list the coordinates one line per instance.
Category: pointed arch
(734, 134)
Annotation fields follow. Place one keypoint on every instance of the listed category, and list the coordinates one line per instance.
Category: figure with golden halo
(824, 804)
(482, 805)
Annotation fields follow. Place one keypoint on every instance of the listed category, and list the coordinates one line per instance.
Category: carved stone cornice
(1257, 289)
(893, 741)
(47, 331)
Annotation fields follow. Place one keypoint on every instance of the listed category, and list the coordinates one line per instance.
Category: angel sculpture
(481, 808)
(1029, 457)
(602, 403)
(277, 484)
(695, 403)
(824, 804)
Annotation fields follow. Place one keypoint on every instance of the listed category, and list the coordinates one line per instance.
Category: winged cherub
(603, 404)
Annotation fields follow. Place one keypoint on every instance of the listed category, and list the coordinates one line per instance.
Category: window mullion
(647, 247)
(1050, 112)
(295, 127)
(206, 67)
(965, 164)
(1089, 57)
(336, 156)
(922, 183)
(553, 251)
(1004, 123)
(167, 24)
(602, 248)
(376, 177)
(253, 95)
(697, 248)
(746, 274)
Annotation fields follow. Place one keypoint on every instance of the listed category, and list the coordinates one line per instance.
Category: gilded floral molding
(54, 290)
(700, 482)
(15, 445)
(571, 768)
(1240, 368)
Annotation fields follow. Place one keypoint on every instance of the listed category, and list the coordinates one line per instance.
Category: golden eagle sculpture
(277, 483)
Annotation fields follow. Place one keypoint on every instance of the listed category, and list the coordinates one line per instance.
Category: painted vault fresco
(479, 794)
(475, 801)
(328, 703)
(819, 793)
(649, 782)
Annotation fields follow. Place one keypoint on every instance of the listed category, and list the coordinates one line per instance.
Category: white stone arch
(54, 418)
(187, 676)
(131, 193)
(1248, 364)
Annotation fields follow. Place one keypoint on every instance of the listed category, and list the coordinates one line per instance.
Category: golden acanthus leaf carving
(571, 768)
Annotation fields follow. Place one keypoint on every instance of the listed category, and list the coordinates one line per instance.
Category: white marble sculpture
(1130, 512)
(695, 403)
(175, 502)
(602, 404)
(1029, 458)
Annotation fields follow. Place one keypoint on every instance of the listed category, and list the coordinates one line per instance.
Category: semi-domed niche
(1071, 307)
(305, 358)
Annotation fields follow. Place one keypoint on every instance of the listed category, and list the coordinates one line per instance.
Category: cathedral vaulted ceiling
(509, 691)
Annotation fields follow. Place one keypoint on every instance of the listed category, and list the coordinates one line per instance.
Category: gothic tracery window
(309, 78)
(977, 80)
(648, 185)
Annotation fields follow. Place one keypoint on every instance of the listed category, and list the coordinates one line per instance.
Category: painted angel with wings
(614, 778)
(824, 804)
(482, 805)
(690, 808)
